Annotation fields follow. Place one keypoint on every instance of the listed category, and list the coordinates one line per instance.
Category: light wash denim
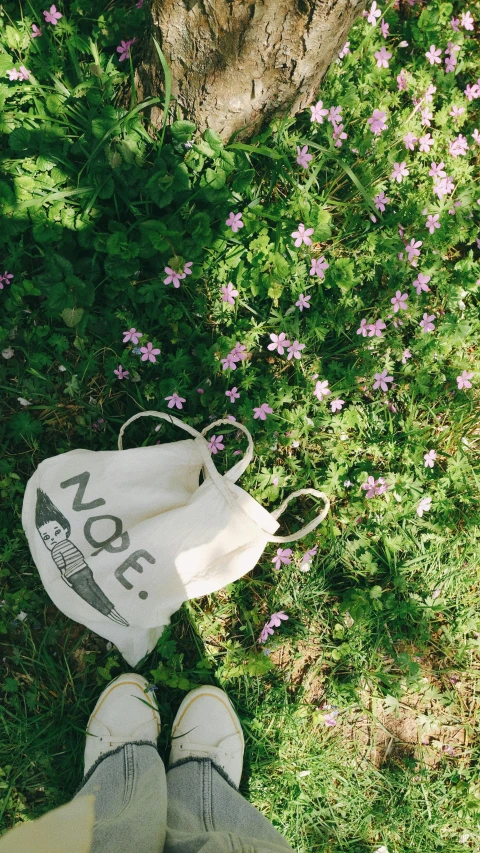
(192, 808)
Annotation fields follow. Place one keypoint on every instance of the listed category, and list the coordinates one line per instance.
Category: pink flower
(52, 16)
(458, 146)
(283, 556)
(402, 80)
(426, 323)
(302, 235)
(149, 352)
(262, 411)
(36, 31)
(400, 171)
(303, 302)
(426, 116)
(454, 22)
(456, 111)
(280, 343)
(338, 135)
(437, 171)
(429, 458)
(420, 283)
(380, 201)
(434, 55)
(405, 355)
(303, 157)
(235, 221)
(377, 121)
(476, 136)
(5, 279)
(173, 276)
(266, 631)
(175, 400)
(233, 394)
(463, 381)
(382, 56)
(429, 93)
(132, 335)
(432, 222)
(322, 389)
(363, 330)
(120, 372)
(410, 141)
(330, 719)
(381, 380)
(334, 115)
(375, 329)
(229, 293)
(345, 49)
(139, 4)
(337, 405)
(373, 14)
(466, 21)
(276, 618)
(294, 350)
(318, 112)
(13, 74)
(399, 301)
(124, 49)
(239, 351)
(229, 361)
(374, 487)
(319, 265)
(426, 142)
(308, 556)
(472, 92)
(215, 444)
(413, 250)
(424, 506)
(384, 28)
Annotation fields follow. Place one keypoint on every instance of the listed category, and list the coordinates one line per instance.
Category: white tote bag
(122, 537)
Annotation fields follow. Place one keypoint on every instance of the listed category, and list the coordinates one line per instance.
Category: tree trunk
(236, 64)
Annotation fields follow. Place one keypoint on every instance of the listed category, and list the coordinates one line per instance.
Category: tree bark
(236, 64)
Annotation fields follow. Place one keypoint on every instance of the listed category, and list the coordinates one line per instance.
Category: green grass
(384, 628)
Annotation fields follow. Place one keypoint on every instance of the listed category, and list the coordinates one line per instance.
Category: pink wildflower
(303, 157)
(319, 265)
(424, 506)
(466, 21)
(381, 380)
(429, 458)
(36, 31)
(400, 171)
(295, 350)
(380, 201)
(120, 372)
(463, 381)
(432, 222)
(406, 355)
(233, 394)
(377, 121)
(149, 352)
(399, 301)
(175, 400)
(234, 221)
(280, 343)
(410, 141)
(173, 276)
(5, 279)
(322, 389)
(458, 146)
(426, 323)
(455, 112)
(262, 411)
(374, 487)
(345, 49)
(303, 302)
(52, 16)
(124, 49)
(384, 28)
(373, 14)
(437, 171)
(420, 283)
(363, 330)
(375, 329)
(282, 557)
(434, 55)
(133, 336)
(229, 293)
(413, 250)
(266, 631)
(337, 405)
(277, 618)
(302, 235)
(318, 112)
(472, 92)
(426, 142)
(382, 56)
(215, 444)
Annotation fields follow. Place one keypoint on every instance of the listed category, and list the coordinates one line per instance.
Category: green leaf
(202, 147)
(72, 316)
(19, 139)
(213, 139)
(242, 180)
(182, 130)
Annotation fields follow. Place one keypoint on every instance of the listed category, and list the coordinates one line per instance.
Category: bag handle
(235, 472)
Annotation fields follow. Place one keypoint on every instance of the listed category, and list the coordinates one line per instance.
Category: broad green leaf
(72, 316)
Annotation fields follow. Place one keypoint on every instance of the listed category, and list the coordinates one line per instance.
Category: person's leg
(206, 812)
(124, 770)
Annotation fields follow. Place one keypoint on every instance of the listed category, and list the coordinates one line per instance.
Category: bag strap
(235, 472)
(311, 524)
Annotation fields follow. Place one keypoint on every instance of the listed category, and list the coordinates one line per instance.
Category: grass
(383, 631)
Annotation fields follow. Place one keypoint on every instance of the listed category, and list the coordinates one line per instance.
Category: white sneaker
(206, 726)
(123, 713)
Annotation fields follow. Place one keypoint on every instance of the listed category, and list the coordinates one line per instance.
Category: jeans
(139, 808)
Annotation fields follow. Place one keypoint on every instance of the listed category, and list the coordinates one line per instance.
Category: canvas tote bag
(122, 537)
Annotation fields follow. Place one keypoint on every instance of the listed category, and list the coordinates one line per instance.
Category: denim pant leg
(207, 813)
(130, 791)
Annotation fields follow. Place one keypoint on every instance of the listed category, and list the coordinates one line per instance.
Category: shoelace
(209, 751)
